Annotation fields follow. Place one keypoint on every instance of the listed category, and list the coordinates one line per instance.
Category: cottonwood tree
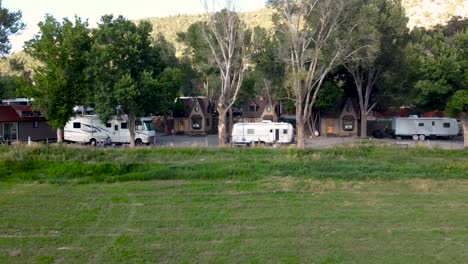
(59, 81)
(268, 70)
(381, 27)
(228, 43)
(200, 56)
(129, 72)
(442, 69)
(315, 37)
(10, 24)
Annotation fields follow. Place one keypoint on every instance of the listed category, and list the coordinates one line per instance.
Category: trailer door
(277, 133)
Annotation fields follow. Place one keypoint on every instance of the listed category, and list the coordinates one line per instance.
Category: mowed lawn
(127, 213)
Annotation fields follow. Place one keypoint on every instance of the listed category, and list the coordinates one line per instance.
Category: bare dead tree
(225, 38)
(315, 41)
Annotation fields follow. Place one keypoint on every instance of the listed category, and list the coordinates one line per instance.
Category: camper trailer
(265, 132)
(89, 129)
(421, 127)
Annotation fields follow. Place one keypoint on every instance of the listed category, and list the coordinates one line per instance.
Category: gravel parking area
(315, 142)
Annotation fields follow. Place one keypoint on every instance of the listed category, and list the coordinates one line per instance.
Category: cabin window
(421, 124)
(76, 125)
(285, 131)
(116, 127)
(36, 125)
(348, 125)
(108, 125)
(446, 125)
(268, 108)
(250, 131)
(348, 109)
(253, 108)
(196, 123)
(433, 123)
(123, 125)
(197, 109)
(27, 114)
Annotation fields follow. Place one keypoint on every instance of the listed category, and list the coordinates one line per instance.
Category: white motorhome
(423, 127)
(90, 129)
(265, 132)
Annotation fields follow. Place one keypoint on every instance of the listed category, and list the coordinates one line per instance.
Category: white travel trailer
(266, 132)
(422, 127)
(90, 129)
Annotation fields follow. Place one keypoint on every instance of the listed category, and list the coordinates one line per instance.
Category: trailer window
(433, 123)
(421, 124)
(250, 131)
(446, 124)
(285, 131)
(108, 125)
(123, 125)
(77, 125)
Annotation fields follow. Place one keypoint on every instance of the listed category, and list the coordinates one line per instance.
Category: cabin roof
(190, 103)
(13, 113)
(261, 103)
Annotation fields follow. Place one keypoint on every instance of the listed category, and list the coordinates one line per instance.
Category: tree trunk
(222, 127)
(229, 132)
(300, 138)
(60, 135)
(131, 127)
(464, 121)
(363, 124)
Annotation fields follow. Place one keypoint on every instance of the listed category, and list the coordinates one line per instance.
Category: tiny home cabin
(20, 123)
(265, 132)
(342, 120)
(89, 129)
(195, 118)
(423, 127)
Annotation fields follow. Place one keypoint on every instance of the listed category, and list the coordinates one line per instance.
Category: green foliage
(60, 82)
(354, 162)
(130, 70)
(458, 103)
(10, 24)
(12, 86)
(440, 64)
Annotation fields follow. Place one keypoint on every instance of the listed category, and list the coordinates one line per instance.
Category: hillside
(422, 13)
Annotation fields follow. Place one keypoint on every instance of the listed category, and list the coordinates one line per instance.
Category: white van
(266, 132)
(90, 129)
(423, 127)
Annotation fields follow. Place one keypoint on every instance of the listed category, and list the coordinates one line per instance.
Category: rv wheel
(92, 142)
(138, 142)
(422, 137)
(415, 137)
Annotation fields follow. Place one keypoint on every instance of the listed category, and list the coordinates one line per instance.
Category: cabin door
(330, 126)
(10, 131)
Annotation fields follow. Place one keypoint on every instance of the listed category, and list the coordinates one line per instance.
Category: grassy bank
(89, 165)
(356, 204)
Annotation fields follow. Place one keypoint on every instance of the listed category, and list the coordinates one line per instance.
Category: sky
(35, 10)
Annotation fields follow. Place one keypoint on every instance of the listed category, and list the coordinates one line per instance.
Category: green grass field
(361, 204)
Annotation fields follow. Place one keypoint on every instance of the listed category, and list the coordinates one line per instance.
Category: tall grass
(61, 164)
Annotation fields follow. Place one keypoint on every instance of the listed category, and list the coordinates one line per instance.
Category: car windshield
(148, 125)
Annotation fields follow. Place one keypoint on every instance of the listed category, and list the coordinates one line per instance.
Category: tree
(60, 82)
(315, 37)
(268, 69)
(130, 73)
(442, 67)
(228, 43)
(382, 30)
(200, 56)
(10, 24)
